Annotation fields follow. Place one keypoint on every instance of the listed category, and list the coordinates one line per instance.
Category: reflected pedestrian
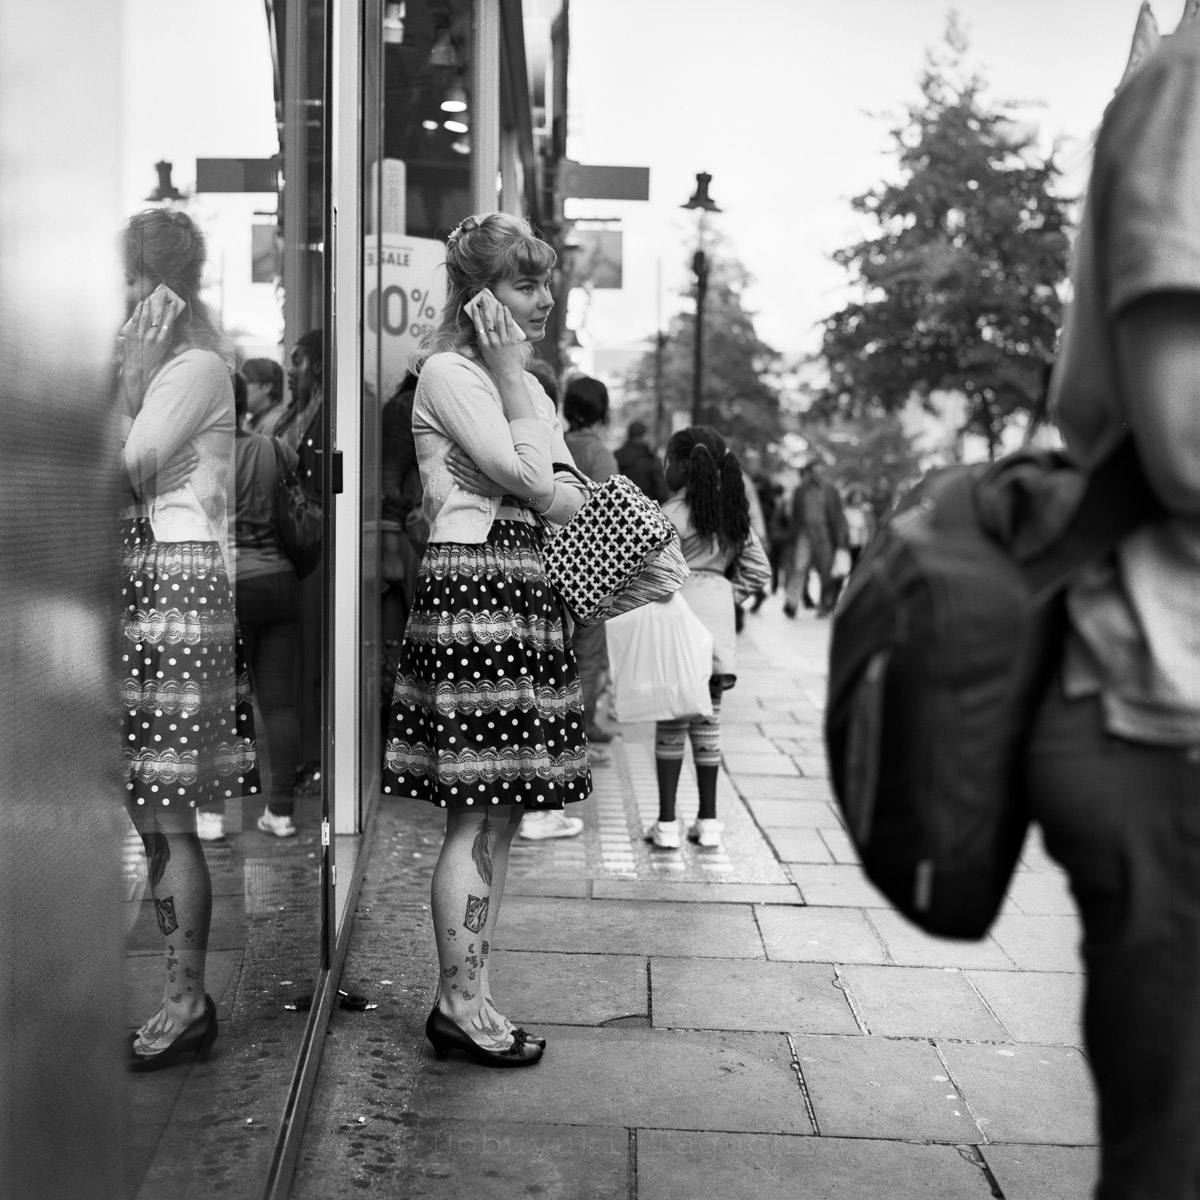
(264, 395)
(641, 464)
(188, 730)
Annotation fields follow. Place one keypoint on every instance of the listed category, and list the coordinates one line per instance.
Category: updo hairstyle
(484, 249)
(168, 247)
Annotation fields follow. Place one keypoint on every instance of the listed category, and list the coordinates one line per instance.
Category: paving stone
(912, 947)
(839, 844)
(773, 727)
(662, 1079)
(615, 926)
(1039, 943)
(1042, 893)
(1023, 1093)
(705, 892)
(547, 885)
(883, 1088)
(791, 788)
(1035, 1006)
(812, 766)
(792, 812)
(920, 1002)
(739, 763)
(568, 989)
(693, 993)
(798, 845)
(494, 1160)
(722, 1166)
(838, 886)
(1044, 1172)
(840, 935)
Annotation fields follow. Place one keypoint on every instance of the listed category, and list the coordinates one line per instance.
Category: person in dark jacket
(818, 530)
(641, 464)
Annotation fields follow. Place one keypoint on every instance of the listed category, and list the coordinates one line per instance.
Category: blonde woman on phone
(487, 714)
(188, 737)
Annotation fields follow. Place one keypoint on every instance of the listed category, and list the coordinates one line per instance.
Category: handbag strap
(571, 469)
(1116, 500)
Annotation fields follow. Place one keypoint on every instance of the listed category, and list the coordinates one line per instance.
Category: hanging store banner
(405, 307)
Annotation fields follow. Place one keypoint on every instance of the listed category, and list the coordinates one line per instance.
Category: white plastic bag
(661, 658)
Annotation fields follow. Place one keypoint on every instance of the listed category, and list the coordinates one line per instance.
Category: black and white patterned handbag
(616, 553)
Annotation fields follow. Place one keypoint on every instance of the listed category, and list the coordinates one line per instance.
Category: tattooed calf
(164, 911)
(158, 854)
(450, 972)
(476, 915)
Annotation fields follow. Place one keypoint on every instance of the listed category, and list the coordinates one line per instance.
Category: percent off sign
(403, 303)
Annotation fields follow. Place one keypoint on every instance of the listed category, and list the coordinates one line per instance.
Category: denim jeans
(1123, 818)
(268, 614)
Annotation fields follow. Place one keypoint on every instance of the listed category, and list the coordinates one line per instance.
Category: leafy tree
(737, 397)
(959, 289)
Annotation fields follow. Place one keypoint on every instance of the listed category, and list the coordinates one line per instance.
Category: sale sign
(403, 303)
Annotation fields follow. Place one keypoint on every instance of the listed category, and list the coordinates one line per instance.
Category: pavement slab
(654, 1078)
(755, 785)
(725, 1166)
(568, 989)
(841, 935)
(798, 845)
(883, 1088)
(1042, 892)
(495, 1160)
(693, 993)
(708, 892)
(912, 947)
(616, 926)
(792, 813)
(920, 1002)
(1025, 1093)
(1035, 1006)
(741, 763)
(1044, 1172)
(1039, 943)
(836, 885)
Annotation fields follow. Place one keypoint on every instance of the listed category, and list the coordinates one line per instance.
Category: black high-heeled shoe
(198, 1037)
(523, 1036)
(445, 1036)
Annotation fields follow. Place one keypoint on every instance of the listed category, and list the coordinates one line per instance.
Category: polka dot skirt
(487, 707)
(188, 730)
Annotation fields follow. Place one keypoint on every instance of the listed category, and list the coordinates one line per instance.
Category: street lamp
(702, 202)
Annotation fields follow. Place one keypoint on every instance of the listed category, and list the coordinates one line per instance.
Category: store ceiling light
(455, 126)
(456, 99)
(461, 146)
(428, 124)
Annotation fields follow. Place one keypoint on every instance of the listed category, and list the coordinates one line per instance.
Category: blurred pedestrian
(188, 731)
(264, 394)
(1114, 757)
(641, 464)
(268, 610)
(860, 523)
(818, 527)
(585, 411)
(487, 717)
(710, 511)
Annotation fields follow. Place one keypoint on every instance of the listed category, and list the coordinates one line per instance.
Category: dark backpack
(947, 633)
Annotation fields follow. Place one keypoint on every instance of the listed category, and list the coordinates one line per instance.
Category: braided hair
(712, 478)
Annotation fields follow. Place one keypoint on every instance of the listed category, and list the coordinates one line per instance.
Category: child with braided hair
(710, 511)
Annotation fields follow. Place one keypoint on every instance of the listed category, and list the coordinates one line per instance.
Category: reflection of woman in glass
(487, 713)
(188, 734)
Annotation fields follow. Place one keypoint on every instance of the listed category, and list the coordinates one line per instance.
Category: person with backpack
(711, 513)
(1114, 758)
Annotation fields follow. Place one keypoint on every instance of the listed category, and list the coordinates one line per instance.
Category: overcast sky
(775, 99)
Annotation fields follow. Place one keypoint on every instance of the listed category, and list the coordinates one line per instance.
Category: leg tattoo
(481, 851)
(158, 854)
(477, 910)
(164, 910)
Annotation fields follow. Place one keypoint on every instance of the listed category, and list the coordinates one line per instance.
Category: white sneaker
(707, 833)
(281, 827)
(666, 835)
(537, 826)
(210, 826)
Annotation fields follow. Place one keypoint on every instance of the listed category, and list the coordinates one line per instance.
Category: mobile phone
(165, 305)
(490, 309)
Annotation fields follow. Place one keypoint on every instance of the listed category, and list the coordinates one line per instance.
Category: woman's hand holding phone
(146, 337)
